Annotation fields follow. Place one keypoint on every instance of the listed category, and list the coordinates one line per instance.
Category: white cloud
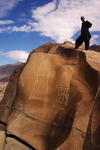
(24, 28)
(19, 55)
(5, 29)
(3, 22)
(6, 6)
(41, 12)
(60, 20)
(94, 39)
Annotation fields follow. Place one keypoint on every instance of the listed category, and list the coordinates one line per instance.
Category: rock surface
(52, 102)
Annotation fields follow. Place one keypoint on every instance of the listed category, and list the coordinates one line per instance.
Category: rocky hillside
(95, 48)
(52, 102)
(6, 70)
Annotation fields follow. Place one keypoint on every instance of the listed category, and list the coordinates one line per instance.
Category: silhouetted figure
(85, 34)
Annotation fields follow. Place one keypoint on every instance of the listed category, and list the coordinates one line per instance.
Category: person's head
(82, 18)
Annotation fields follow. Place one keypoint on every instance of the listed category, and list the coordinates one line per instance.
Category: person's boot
(75, 47)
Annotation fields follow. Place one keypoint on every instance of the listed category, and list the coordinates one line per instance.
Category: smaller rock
(13, 144)
(2, 140)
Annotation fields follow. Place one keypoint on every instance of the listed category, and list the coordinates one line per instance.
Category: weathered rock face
(52, 102)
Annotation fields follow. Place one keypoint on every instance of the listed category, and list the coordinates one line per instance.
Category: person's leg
(86, 44)
(79, 41)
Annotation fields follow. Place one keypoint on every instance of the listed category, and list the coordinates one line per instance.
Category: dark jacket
(85, 29)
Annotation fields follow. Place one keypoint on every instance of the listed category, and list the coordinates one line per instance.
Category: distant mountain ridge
(6, 70)
(95, 47)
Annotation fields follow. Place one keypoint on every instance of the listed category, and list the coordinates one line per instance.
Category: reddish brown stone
(53, 98)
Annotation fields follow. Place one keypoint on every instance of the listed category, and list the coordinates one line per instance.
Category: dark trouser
(81, 39)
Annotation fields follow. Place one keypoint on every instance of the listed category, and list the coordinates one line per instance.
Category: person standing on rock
(85, 34)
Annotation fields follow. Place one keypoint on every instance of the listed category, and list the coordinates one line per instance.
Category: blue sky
(27, 24)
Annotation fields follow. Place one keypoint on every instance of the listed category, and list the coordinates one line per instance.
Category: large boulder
(52, 102)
